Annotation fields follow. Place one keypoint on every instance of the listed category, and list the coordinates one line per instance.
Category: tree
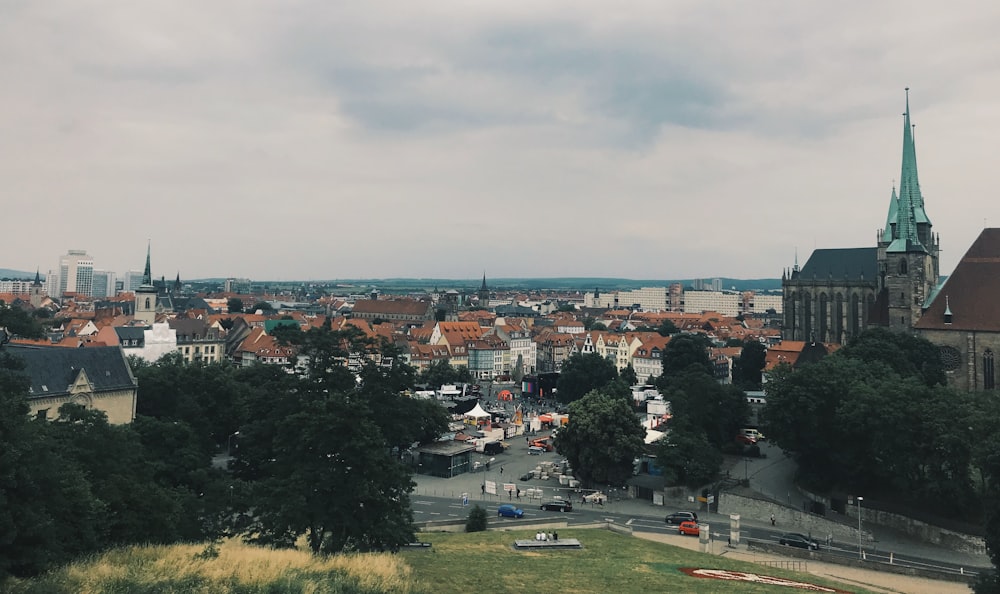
(906, 354)
(748, 367)
(19, 323)
(583, 372)
(603, 439)
(441, 372)
(686, 350)
(628, 375)
(234, 305)
(714, 410)
(263, 306)
(687, 457)
(478, 519)
(667, 328)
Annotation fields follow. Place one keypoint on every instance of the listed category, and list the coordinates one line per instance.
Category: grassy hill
(478, 562)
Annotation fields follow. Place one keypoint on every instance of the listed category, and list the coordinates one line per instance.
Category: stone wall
(786, 518)
(921, 530)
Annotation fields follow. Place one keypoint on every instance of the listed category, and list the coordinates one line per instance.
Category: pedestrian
(501, 470)
(549, 536)
(518, 493)
(555, 536)
(829, 540)
(510, 495)
(772, 519)
(483, 487)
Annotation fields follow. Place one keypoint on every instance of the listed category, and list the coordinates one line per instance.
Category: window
(902, 266)
(989, 381)
(42, 414)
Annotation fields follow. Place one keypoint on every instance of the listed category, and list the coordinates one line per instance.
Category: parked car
(689, 527)
(794, 539)
(526, 476)
(493, 447)
(560, 506)
(509, 511)
(683, 516)
(536, 451)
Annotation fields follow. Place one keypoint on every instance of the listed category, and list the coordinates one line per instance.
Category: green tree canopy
(667, 328)
(686, 456)
(686, 350)
(748, 367)
(602, 439)
(905, 354)
(583, 372)
(234, 305)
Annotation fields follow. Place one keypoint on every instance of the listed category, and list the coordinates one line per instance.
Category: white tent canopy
(477, 412)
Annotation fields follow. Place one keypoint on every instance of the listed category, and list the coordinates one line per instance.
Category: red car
(689, 528)
(745, 440)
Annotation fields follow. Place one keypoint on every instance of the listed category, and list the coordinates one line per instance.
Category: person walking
(772, 519)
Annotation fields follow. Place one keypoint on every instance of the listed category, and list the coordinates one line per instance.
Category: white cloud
(330, 139)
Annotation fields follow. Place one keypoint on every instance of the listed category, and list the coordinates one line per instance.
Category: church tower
(907, 248)
(37, 294)
(145, 297)
(484, 294)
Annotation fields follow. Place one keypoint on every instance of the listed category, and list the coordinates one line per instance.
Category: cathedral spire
(38, 279)
(889, 233)
(910, 208)
(147, 275)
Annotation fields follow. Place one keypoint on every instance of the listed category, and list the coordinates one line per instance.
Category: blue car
(509, 511)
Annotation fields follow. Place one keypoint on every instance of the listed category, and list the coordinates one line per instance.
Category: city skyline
(391, 140)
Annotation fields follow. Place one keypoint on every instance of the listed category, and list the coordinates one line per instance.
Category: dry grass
(236, 569)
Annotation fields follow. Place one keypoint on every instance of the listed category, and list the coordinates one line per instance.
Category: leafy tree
(566, 308)
(234, 305)
(687, 457)
(18, 322)
(685, 350)
(478, 519)
(628, 376)
(603, 439)
(441, 372)
(48, 514)
(748, 367)
(905, 354)
(583, 372)
(263, 306)
(667, 328)
(714, 410)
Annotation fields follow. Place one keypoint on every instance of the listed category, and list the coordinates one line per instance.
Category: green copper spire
(890, 221)
(905, 238)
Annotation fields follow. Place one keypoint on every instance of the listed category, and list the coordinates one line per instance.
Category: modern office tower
(76, 273)
(104, 283)
(132, 281)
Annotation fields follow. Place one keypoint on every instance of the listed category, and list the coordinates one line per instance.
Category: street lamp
(860, 552)
(229, 444)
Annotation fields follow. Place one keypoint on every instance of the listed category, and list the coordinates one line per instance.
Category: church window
(902, 266)
(989, 381)
(147, 302)
(951, 359)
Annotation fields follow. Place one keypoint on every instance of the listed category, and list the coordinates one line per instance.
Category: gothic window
(147, 302)
(855, 314)
(823, 318)
(902, 266)
(951, 359)
(989, 382)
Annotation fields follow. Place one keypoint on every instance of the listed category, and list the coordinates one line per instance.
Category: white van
(752, 433)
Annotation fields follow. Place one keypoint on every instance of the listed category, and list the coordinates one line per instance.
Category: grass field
(482, 562)
(609, 562)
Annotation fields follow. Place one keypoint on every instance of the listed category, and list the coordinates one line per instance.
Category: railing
(790, 565)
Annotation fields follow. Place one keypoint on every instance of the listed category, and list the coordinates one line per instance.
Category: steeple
(483, 288)
(888, 234)
(38, 279)
(147, 275)
(910, 209)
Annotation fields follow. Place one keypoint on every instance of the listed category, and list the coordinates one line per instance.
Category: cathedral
(842, 291)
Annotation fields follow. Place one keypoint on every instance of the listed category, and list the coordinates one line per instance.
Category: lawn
(609, 562)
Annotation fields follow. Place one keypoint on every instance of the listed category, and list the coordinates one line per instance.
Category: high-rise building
(104, 283)
(76, 273)
(132, 281)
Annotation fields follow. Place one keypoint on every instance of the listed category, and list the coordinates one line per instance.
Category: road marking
(423, 502)
(629, 523)
(435, 513)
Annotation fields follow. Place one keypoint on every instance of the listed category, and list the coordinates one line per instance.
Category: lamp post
(860, 552)
(229, 444)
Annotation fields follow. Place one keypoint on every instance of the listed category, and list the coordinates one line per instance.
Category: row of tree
(317, 456)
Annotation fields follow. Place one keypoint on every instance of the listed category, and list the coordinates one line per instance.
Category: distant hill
(569, 284)
(8, 273)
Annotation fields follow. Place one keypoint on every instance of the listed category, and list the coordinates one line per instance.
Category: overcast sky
(324, 139)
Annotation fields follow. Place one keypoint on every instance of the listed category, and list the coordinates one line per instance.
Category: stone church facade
(843, 291)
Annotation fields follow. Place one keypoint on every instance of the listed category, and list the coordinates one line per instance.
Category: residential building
(728, 304)
(197, 341)
(393, 310)
(98, 378)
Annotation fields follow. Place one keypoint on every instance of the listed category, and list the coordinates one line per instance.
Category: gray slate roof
(54, 369)
(842, 263)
